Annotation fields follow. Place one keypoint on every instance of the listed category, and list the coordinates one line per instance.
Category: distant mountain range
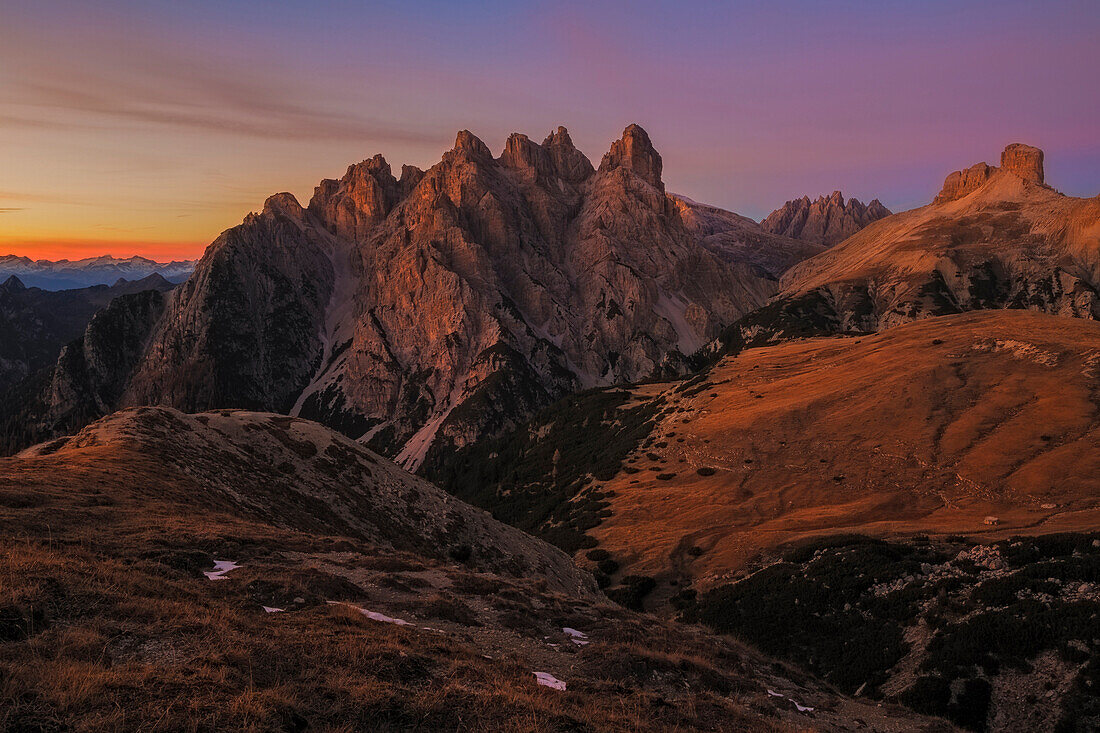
(103, 270)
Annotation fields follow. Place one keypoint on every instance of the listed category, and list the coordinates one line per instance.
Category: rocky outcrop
(89, 377)
(356, 203)
(423, 313)
(962, 183)
(1022, 161)
(634, 152)
(827, 220)
(993, 238)
(243, 330)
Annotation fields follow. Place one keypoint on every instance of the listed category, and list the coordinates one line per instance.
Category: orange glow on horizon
(75, 249)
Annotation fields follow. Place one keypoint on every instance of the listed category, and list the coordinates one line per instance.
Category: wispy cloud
(9, 209)
(142, 84)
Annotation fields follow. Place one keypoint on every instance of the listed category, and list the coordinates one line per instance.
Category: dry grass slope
(108, 623)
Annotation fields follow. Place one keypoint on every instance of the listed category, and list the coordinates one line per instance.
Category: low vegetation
(842, 606)
(107, 622)
(545, 478)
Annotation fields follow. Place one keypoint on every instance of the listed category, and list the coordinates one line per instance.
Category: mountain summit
(421, 313)
(1022, 161)
(827, 220)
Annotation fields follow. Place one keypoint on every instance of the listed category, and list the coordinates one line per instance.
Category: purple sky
(148, 127)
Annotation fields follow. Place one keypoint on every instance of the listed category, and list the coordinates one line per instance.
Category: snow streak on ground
(548, 680)
(798, 706)
(577, 637)
(374, 615)
(221, 567)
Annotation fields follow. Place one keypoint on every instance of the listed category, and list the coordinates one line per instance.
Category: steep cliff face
(829, 220)
(498, 285)
(243, 330)
(993, 238)
(420, 313)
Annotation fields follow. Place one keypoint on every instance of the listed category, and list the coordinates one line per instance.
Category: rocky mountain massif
(828, 220)
(995, 237)
(105, 270)
(271, 574)
(423, 312)
(36, 323)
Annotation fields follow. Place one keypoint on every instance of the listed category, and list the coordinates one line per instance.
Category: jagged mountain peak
(826, 220)
(521, 153)
(634, 151)
(361, 199)
(283, 203)
(556, 157)
(472, 144)
(13, 284)
(444, 307)
(560, 136)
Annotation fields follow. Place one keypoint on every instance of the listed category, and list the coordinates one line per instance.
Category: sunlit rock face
(421, 313)
(828, 220)
(993, 238)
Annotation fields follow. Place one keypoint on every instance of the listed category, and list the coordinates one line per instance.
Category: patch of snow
(798, 706)
(577, 637)
(373, 615)
(272, 609)
(221, 567)
(672, 309)
(548, 680)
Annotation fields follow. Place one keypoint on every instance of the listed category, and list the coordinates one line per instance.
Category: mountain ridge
(68, 274)
(421, 313)
(827, 220)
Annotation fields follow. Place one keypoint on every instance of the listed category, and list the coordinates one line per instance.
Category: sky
(149, 127)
